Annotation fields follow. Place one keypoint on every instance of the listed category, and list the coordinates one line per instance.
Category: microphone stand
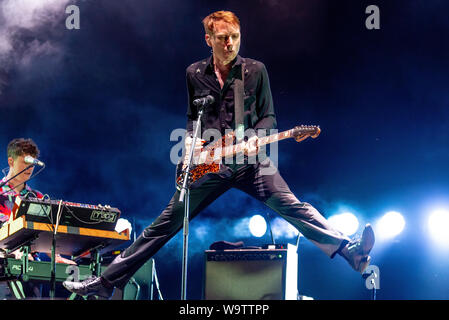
(373, 282)
(373, 274)
(185, 197)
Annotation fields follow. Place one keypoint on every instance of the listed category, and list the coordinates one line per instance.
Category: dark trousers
(261, 181)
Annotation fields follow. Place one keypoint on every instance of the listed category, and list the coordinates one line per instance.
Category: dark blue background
(102, 108)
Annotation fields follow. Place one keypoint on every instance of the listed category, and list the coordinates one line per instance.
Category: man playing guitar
(218, 76)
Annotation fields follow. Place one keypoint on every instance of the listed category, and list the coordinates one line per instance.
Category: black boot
(357, 250)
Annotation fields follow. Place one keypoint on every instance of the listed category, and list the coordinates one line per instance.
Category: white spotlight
(390, 225)
(438, 224)
(282, 229)
(345, 222)
(257, 226)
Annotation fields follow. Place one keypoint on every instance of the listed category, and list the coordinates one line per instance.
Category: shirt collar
(209, 62)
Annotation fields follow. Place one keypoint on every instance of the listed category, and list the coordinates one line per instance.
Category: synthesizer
(66, 213)
(11, 269)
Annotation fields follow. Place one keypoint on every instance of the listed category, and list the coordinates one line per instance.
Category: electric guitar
(209, 158)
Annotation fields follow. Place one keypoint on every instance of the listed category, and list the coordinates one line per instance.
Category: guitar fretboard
(225, 148)
(276, 137)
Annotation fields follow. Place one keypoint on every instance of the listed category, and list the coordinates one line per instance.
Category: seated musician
(17, 150)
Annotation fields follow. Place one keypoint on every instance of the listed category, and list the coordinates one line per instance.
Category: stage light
(345, 222)
(438, 224)
(390, 225)
(123, 224)
(282, 229)
(257, 226)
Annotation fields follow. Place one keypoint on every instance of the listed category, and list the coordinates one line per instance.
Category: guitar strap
(239, 105)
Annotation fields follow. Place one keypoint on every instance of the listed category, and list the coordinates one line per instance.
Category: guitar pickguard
(196, 172)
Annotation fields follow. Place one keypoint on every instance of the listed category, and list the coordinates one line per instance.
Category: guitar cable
(58, 216)
(50, 213)
(156, 281)
(79, 219)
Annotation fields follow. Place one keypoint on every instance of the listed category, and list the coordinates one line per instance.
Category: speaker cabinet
(251, 274)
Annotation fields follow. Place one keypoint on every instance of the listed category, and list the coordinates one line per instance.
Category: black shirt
(258, 102)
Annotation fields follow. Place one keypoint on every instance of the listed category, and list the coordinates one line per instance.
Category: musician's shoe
(357, 250)
(91, 286)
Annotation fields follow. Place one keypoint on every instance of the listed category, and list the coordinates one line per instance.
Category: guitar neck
(225, 147)
(276, 137)
(232, 150)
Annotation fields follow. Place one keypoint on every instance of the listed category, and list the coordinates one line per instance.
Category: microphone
(31, 160)
(204, 101)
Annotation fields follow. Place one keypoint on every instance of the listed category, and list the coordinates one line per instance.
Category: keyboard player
(17, 150)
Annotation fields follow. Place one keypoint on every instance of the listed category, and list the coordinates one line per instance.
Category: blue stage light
(390, 225)
(257, 226)
(438, 225)
(345, 222)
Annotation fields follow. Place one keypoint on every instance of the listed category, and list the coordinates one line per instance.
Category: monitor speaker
(251, 274)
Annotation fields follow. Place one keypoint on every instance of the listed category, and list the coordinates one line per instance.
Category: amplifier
(72, 214)
(251, 274)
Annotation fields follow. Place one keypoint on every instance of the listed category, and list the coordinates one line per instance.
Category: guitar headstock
(302, 132)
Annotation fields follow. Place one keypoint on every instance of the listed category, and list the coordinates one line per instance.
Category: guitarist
(217, 76)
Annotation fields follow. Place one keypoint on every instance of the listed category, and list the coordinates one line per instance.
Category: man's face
(18, 164)
(225, 42)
